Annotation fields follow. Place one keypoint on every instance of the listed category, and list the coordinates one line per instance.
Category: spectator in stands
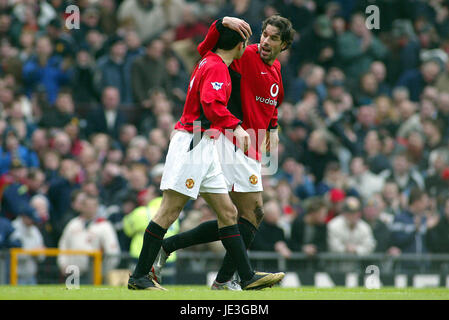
(150, 17)
(29, 235)
(416, 79)
(375, 160)
(348, 233)
(46, 70)
(310, 78)
(410, 227)
(391, 197)
(379, 70)
(403, 174)
(113, 184)
(35, 182)
(7, 239)
(309, 230)
(270, 236)
(59, 194)
(12, 151)
(127, 205)
(191, 26)
(358, 48)
(148, 72)
(404, 52)
(438, 174)
(363, 180)
(88, 232)
(379, 222)
(108, 118)
(114, 70)
(61, 114)
(317, 44)
(300, 14)
(317, 154)
(14, 197)
(41, 205)
(83, 77)
(177, 81)
(437, 236)
(443, 113)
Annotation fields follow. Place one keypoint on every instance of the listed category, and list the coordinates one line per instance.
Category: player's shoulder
(210, 61)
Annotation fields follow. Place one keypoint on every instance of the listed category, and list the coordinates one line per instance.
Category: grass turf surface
(54, 292)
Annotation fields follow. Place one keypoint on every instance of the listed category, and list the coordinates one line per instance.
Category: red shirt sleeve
(211, 39)
(274, 119)
(214, 97)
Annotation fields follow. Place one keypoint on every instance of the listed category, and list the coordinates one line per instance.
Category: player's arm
(273, 135)
(214, 102)
(214, 98)
(239, 25)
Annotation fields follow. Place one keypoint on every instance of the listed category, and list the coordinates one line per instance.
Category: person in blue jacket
(12, 150)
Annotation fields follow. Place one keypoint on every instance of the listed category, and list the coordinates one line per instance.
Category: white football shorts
(192, 166)
(242, 173)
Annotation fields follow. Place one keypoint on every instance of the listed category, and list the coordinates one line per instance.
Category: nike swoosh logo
(263, 72)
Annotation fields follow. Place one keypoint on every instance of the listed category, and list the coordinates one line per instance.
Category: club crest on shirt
(253, 179)
(216, 85)
(190, 183)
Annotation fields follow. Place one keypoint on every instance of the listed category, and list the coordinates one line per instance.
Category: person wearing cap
(348, 233)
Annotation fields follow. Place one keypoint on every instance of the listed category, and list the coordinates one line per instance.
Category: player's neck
(226, 56)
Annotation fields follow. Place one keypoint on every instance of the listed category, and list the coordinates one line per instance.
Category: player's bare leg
(249, 206)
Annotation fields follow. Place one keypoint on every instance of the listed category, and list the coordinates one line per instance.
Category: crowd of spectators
(86, 116)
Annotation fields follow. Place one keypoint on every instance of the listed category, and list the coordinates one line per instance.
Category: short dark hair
(285, 28)
(416, 194)
(228, 39)
(314, 204)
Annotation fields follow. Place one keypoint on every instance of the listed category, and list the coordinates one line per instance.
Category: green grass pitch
(85, 292)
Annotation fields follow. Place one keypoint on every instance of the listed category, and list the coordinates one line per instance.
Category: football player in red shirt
(192, 166)
(257, 93)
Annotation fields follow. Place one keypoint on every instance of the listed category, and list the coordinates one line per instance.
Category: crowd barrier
(191, 267)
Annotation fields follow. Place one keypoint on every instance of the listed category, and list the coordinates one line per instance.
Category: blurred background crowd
(86, 116)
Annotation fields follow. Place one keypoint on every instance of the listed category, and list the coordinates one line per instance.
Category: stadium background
(88, 113)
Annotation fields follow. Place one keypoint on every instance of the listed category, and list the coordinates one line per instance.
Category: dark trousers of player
(209, 232)
(230, 236)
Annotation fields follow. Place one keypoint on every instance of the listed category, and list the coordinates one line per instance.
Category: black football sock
(152, 241)
(233, 243)
(248, 232)
(203, 233)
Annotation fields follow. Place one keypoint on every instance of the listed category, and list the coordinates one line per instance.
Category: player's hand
(242, 137)
(239, 25)
(272, 140)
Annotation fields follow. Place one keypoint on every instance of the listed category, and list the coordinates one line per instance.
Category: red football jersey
(207, 97)
(255, 99)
